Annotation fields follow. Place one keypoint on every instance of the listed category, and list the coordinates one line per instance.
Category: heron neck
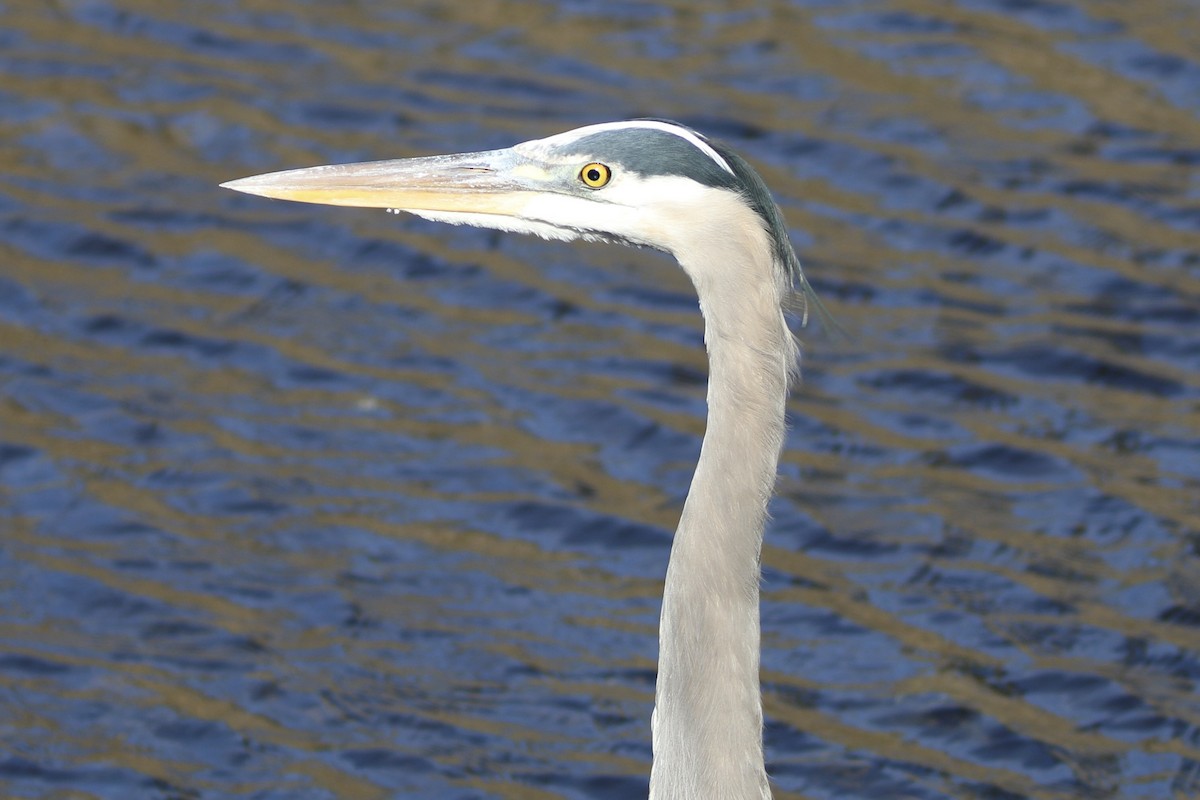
(708, 709)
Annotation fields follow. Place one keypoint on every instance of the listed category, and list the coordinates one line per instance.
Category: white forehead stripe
(683, 133)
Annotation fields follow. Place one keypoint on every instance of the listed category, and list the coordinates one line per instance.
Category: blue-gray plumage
(657, 184)
(657, 153)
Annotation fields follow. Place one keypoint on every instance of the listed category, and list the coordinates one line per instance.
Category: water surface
(305, 502)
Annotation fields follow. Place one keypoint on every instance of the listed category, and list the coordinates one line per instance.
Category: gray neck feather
(708, 711)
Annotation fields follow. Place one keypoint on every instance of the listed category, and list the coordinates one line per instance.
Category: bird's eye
(595, 175)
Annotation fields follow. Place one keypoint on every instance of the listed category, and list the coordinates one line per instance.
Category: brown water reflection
(308, 503)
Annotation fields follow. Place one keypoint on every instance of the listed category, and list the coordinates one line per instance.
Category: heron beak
(491, 182)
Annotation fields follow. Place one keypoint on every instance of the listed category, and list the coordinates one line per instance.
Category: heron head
(645, 182)
(606, 182)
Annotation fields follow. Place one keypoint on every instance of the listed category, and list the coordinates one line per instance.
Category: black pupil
(593, 175)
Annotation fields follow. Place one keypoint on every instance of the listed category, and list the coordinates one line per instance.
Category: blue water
(305, 502)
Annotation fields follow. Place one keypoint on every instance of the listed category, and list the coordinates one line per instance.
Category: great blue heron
(658, 184)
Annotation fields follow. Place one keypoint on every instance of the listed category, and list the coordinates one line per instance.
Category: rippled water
(305, 502)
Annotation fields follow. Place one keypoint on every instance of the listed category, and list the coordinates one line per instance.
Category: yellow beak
(491, 182)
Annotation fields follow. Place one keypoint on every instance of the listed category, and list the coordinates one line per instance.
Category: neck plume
(707, 724)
